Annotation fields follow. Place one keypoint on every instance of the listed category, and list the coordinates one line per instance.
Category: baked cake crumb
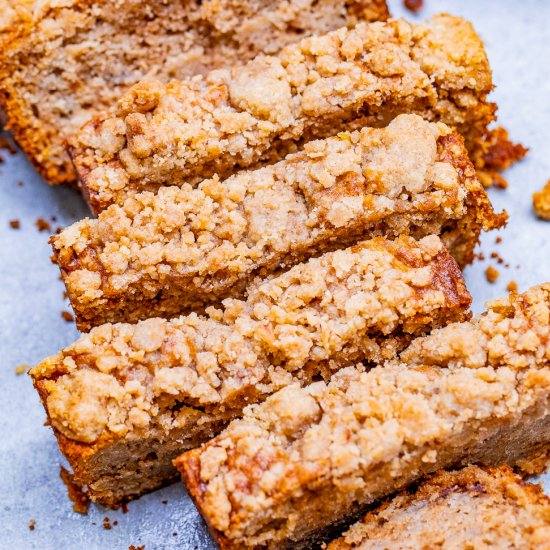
(67, 316)
(20, 369)
(15, 224)
(107, 523)
(32, 524)
(42, 225)
(499, 154)
(512, 286)
(541, 202)
(414, 5)
(491, 274)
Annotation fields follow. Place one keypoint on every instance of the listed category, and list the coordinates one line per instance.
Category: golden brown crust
(469, 508)
(183, 248)
(307, 457)
(63, 62)
(123, 385)
(187, 130)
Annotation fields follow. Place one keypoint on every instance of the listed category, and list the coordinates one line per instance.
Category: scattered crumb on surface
(164, 502)
(498, 240)
(414, 5)
(512, 286)
(7, 144)
(67, 316)
(107, 523)
(32, 524)
(491, 274)
(15, 224)
(500, 154)
(80, 499)
(479, 256)
(541, 202)
(496, 256)
(132, 547)
(20, 369)
(42, 225)
(124, 508)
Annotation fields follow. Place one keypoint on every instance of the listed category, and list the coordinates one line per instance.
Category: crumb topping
(541, 202)
(351, 439)
(492, 274)
(204, 243)
(496, 154)
(358, 303)
(514, 332)
(187, 130)
(512, 286)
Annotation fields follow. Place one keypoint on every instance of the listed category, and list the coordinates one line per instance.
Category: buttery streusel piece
(182, 248)
(477, 508)
(188, 130)
(124, 400)
(541, 202)
(62, 62)
(310, 458)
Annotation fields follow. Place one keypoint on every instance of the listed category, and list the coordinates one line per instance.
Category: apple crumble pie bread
(124, 400)
(183, 248)
(62, 62)
(314, 457)
(187, 130)
(477, 508)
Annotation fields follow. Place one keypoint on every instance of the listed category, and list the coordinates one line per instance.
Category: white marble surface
(517, 36)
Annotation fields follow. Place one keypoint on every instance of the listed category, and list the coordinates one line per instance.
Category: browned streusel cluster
(62, 62)
(187, 130)
(541, 202)
(468, 508)
(165, 253)
(473, 391)
(138, 381)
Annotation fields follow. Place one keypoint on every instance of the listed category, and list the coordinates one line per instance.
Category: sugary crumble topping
(358, 303)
